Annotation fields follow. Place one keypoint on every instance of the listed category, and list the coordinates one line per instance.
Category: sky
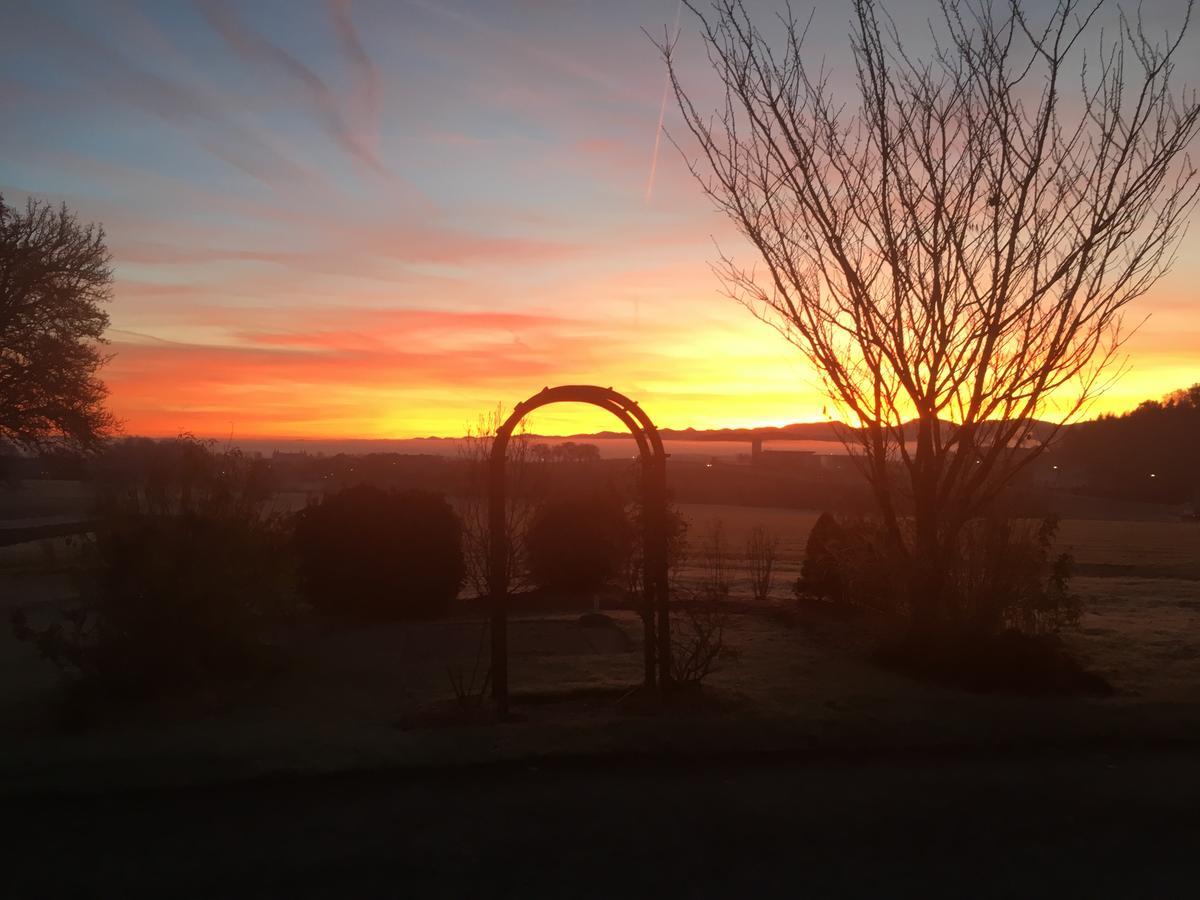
(383, 218)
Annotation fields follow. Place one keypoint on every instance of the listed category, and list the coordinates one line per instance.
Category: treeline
(566, 466)
(1151, 453)
(1147, 455)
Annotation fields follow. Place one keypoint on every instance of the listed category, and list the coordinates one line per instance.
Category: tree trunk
(928, 564)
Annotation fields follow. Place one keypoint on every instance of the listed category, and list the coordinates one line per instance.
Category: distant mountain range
(799, 431)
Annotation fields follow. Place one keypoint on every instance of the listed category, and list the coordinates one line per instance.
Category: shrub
(1002, 576)
(701, 613)
(1007, 661)
(820, 572)
(372, 554)
(698, 634)
(578, 542)
(1005, 578)
(1007, 598)
(872, 574)
(851, 563)
(184, 576)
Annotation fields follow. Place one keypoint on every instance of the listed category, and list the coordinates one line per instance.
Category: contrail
(662, 111)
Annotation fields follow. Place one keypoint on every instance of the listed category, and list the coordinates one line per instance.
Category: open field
(1131, 550)
(352, 697)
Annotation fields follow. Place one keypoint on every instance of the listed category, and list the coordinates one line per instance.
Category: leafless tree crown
(960, 242)
(525, 491)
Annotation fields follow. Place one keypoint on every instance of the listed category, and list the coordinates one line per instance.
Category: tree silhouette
(1148, 453)
(54, 279)
(953, 251)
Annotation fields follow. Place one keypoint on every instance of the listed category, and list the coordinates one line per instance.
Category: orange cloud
(268, 279)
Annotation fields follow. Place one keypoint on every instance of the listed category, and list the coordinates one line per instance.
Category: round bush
(367, 553)
(578, 543)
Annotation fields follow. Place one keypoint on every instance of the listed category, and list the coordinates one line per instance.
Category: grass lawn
(351, 697)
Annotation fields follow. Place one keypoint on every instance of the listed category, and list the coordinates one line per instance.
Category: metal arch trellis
(655, 611)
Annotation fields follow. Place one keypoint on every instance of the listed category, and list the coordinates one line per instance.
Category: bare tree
(54, 279)
(714, 562)
(524, 490)
(762, 548)
(952, 251)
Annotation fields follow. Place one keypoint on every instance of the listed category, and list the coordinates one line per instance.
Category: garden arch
(654, 518)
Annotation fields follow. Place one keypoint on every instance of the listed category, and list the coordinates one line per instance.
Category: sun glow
(406, 237)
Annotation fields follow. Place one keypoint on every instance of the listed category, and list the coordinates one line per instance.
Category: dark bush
(372, 554)
(183, 578)
(1003, 574)
(1008, 661)
(1007, 597)
(1006, 576)
(850, 563)
(819, 572)
(578, 543)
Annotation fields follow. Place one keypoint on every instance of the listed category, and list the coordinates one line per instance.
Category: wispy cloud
(103, 70)
(368, 85)
(328, 108)
(358, 217)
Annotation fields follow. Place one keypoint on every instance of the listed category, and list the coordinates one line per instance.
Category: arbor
(953, 251)
(54, 279)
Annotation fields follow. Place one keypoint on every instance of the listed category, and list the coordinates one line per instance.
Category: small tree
(953, 252)
(761, 550)
(714, 562)
(525, 463)
(55, 278)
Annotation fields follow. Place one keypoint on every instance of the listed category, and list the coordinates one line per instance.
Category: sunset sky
(382, 218)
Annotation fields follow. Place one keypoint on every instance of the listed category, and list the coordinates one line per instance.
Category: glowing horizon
(339, 221)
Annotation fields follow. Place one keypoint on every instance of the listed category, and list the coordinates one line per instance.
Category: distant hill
(799, 431)
(1149, 453)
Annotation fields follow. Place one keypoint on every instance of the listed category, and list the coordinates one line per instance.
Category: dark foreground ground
(1036, 826)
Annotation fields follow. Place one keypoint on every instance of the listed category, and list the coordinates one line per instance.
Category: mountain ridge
(797, 431)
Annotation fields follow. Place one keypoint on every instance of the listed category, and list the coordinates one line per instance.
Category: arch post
(498, 569)
(655, 504)
(656, 601)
